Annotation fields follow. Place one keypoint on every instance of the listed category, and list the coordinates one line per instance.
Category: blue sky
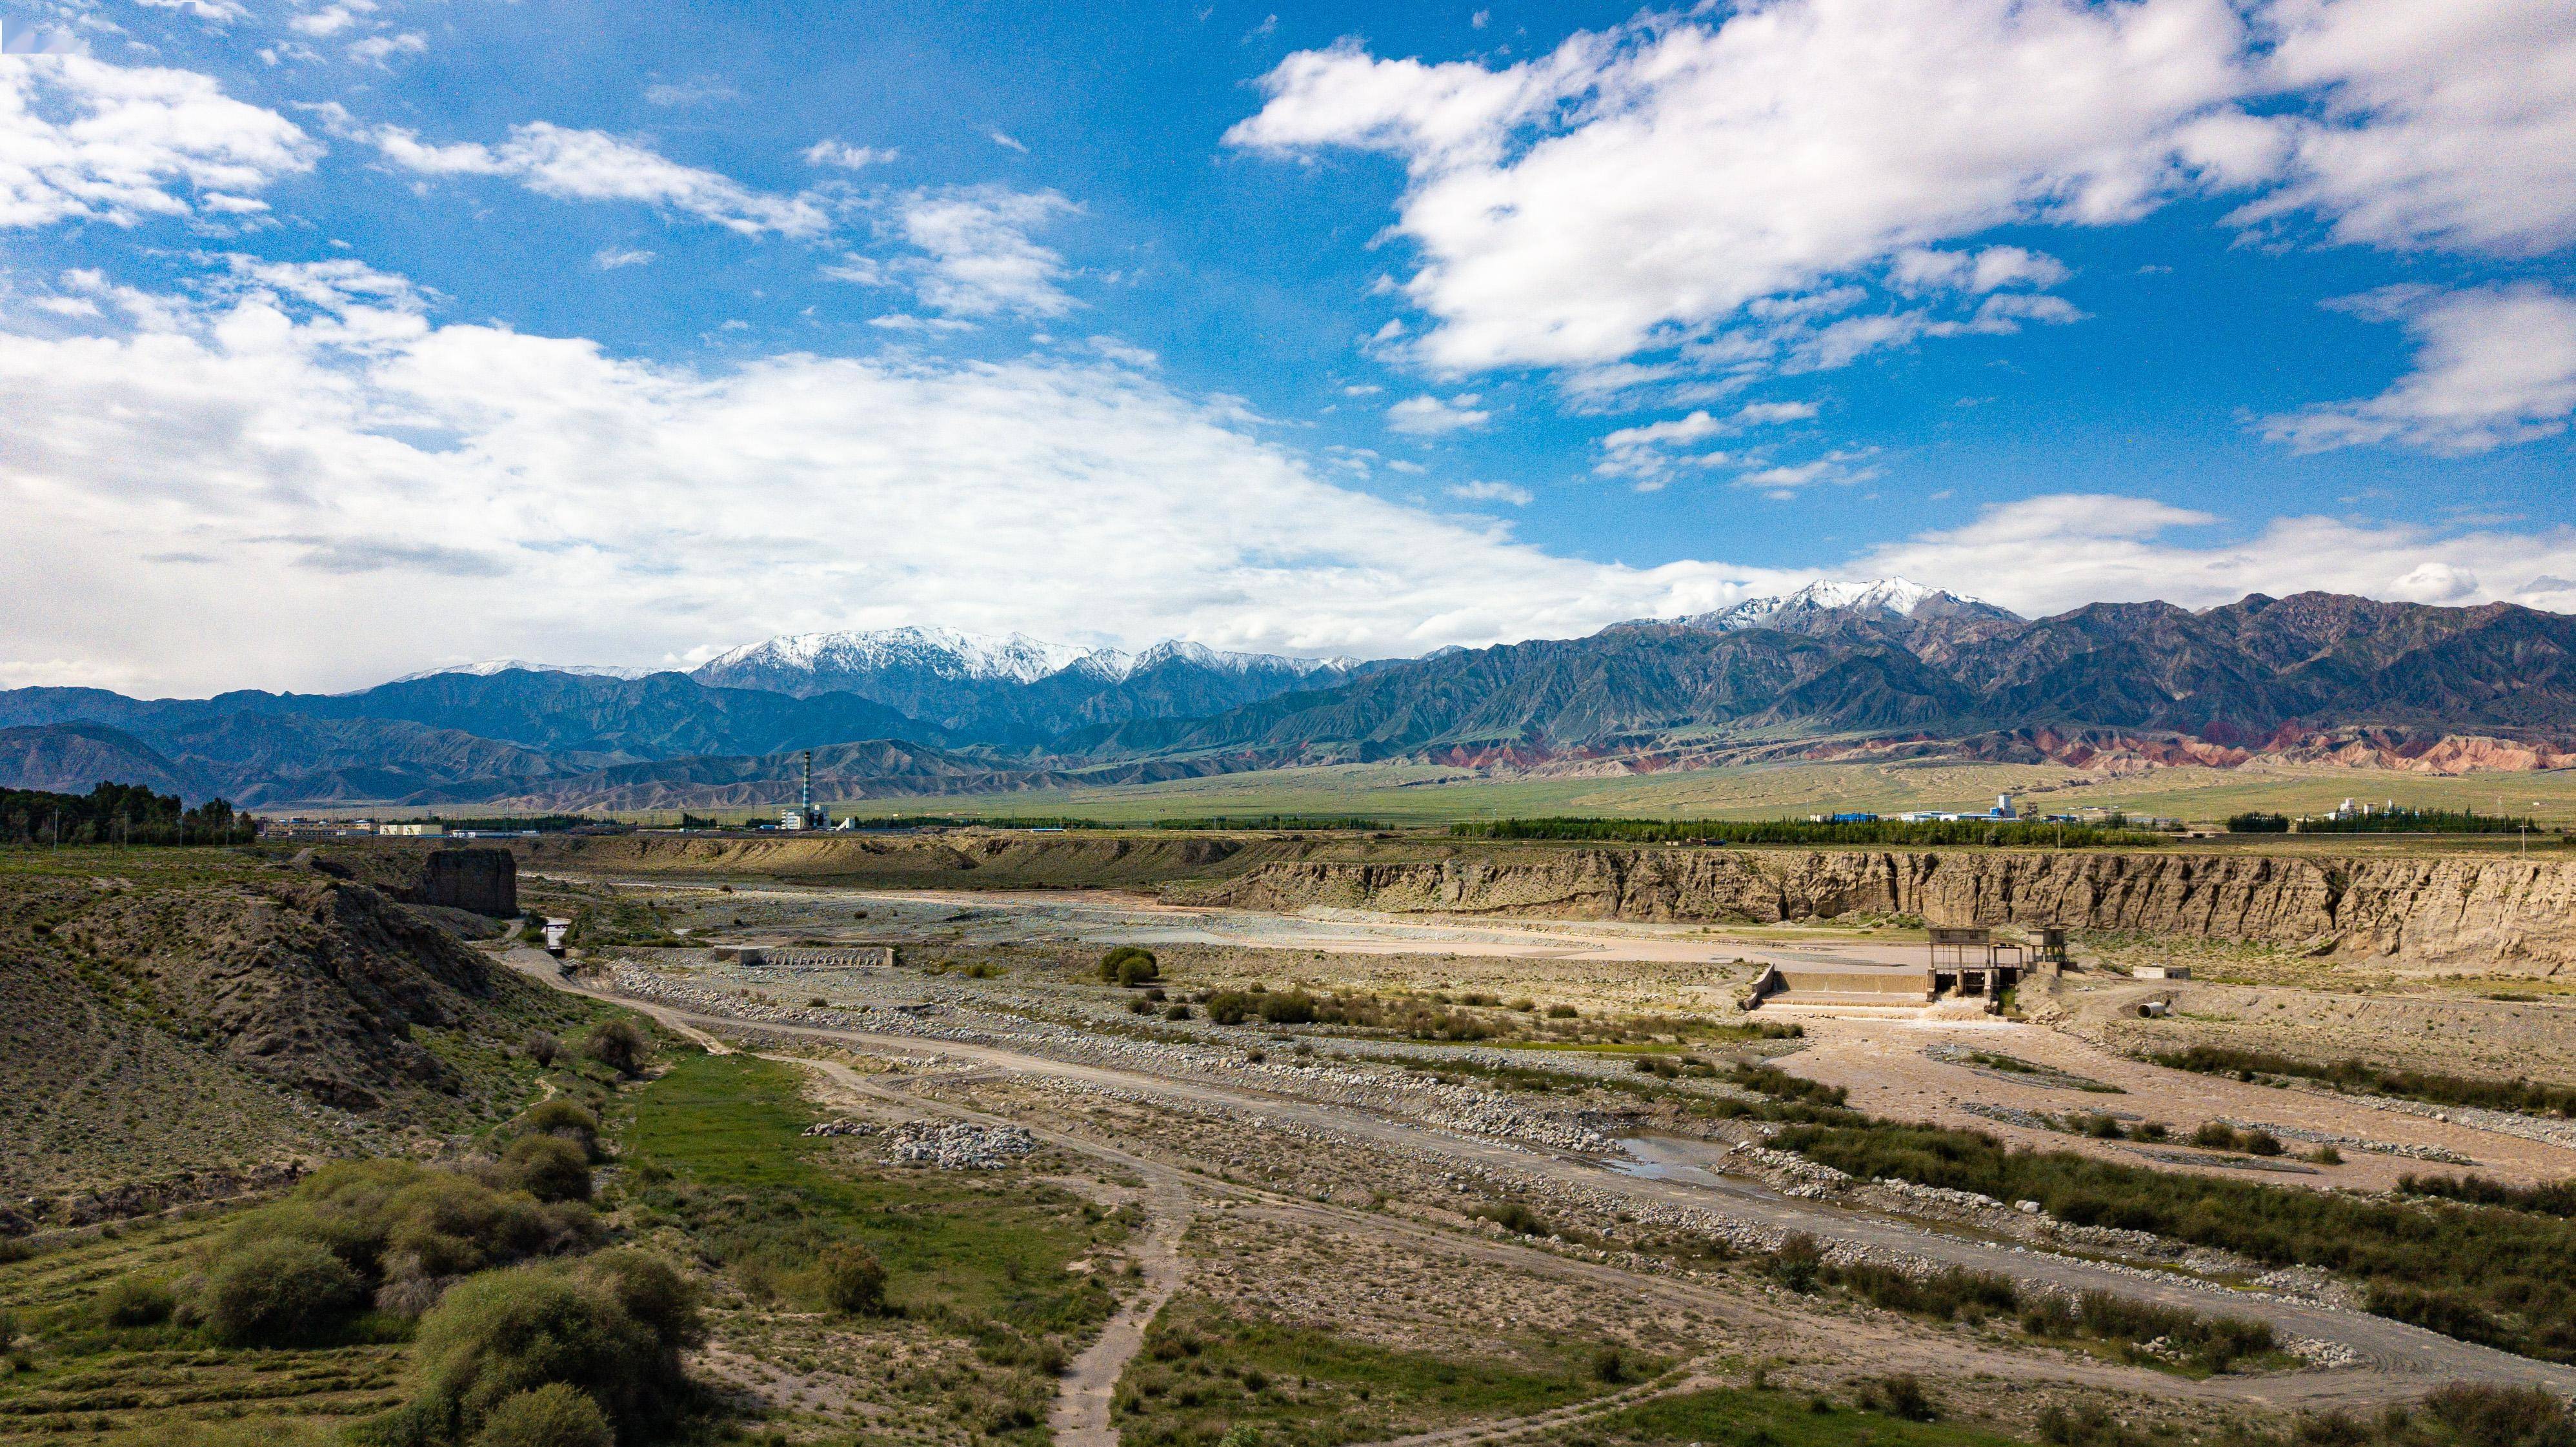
(343, 339)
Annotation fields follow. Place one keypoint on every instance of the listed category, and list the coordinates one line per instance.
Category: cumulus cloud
(848, 157)
(977, 258)
(2492, 367)
(1648, 452)
(313, 428)
(84, 140)
(2434, 124)
(581, 165)
(1517, 496)
(1641, 186)
(1726, 187)
(1429, 416)
(1921, 269)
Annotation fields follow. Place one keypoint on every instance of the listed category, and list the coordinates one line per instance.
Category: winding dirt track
(2398, 1362)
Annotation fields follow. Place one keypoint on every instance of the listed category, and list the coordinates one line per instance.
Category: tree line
(119, 814)
(2002, 834)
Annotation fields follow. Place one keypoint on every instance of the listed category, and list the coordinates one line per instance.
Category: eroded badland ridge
(2510, 914)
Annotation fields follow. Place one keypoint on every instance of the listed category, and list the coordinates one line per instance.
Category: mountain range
(1836, 668)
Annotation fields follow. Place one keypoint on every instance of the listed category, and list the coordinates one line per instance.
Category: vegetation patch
(2476, 1273)
(1207, 1378)
(1757, 1416)
(715, 1149)
(2527, 1096)
(2004, 835)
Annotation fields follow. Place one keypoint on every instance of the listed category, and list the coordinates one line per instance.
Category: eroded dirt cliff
(2516, 915)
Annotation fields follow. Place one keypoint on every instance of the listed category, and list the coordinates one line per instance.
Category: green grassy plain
(1414, 794)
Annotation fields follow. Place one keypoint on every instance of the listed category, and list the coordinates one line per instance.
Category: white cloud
(1841, 467)
(357, 459)
(378, 49)
(1641, 186)
(1666, 187)
(1646, 452)
(330, 20)
(2122, 549)
(579, 165)
(1006, 141)
(1921, 269)
(1491, 492)
(610, 258)
(2492, 367)
(697, 90)
(977, 258)
(81, 139)
(2447, 123)
(829, 152)
(1428, 416)
(220, 12)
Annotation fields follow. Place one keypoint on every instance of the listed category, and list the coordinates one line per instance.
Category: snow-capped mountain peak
(1217, 659)
(942, 652)
(492, 666)
(1901, 597)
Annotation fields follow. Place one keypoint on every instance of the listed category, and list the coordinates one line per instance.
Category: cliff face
(2502, 913)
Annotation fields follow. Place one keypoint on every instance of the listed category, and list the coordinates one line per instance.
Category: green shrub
(561, 1118)
(1798, 1263)
(547, 1167)
(618, 1045)
(852, 1280)
(652, 1291)
(611, 1329)
(2215, 1136)
(1781, 1085)
(1130, 965)
(127, 1302)
(404, 1221)
(544, 1048)
(280, 1292)
(1294, 1007)
(554, 1415)
(2502, 1416)
(1512, 1216)
(1901, 1395)
(1176, 1012)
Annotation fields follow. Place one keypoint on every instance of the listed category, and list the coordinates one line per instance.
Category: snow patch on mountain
(940, 652)
(1220, 661)
(976, 657)
(1900, 596)
(490, 666)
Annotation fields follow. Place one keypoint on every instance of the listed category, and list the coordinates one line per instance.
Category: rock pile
(956, 1145)
(840, 1127)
